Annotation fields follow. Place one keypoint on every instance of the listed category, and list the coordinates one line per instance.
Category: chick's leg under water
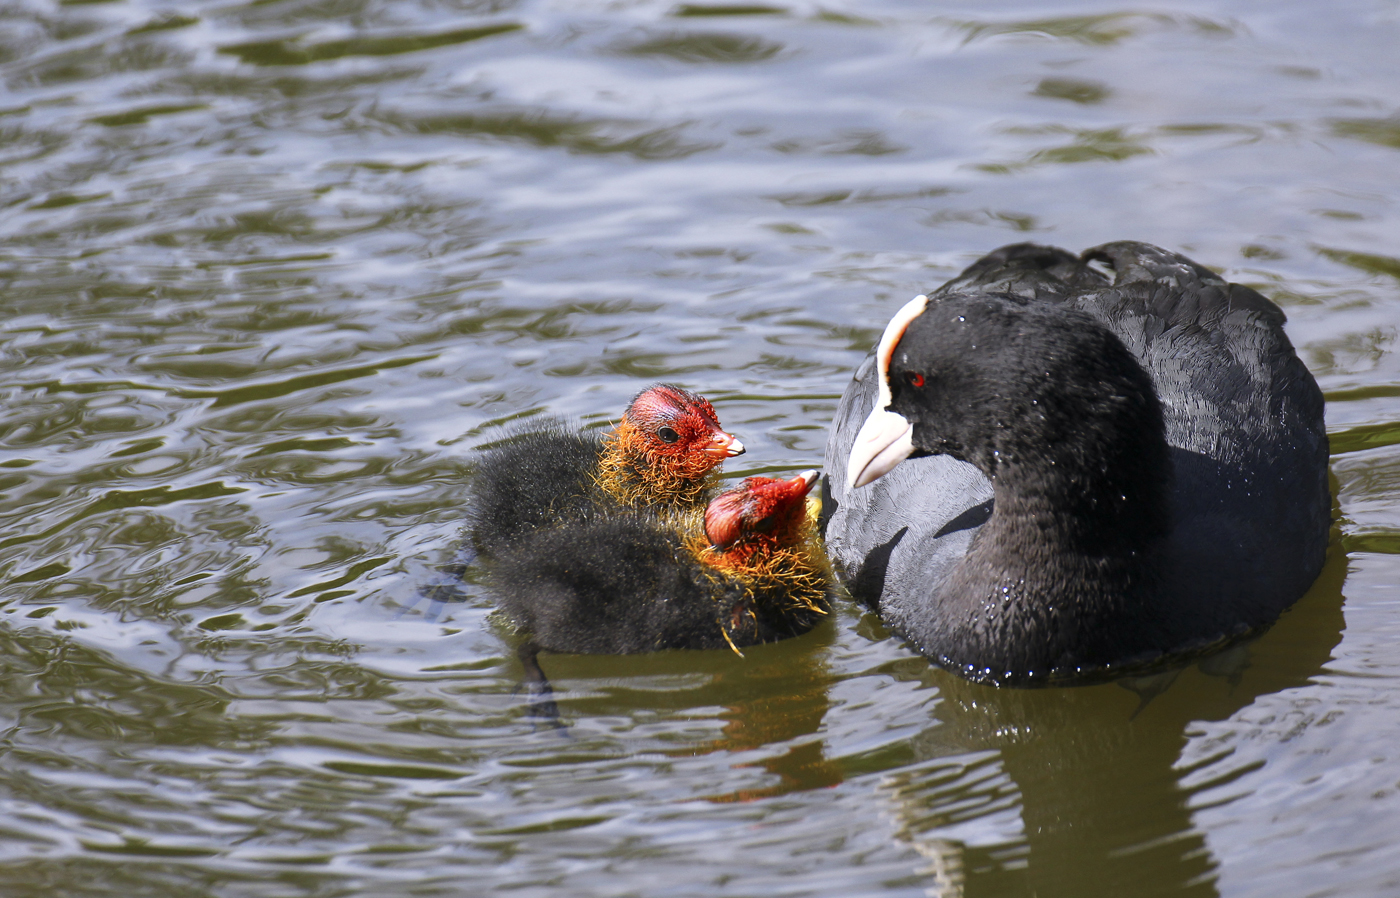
(542, 706)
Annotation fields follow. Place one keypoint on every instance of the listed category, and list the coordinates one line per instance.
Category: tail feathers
(1176, 289)
(1028, 270)
(1134, 262)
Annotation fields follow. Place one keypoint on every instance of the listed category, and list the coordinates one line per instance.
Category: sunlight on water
(272, 272)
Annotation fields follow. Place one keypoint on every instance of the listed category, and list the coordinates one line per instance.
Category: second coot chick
(635, 583)
(663, 455)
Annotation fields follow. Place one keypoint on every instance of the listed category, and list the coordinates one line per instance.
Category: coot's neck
(1109, 499)
(1072, 551)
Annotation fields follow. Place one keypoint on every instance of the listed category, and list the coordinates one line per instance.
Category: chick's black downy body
(633, 583)
(628, 585)
(542, 479)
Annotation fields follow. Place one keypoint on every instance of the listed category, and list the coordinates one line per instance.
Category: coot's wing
(1026, 271)
(1244, 419)
(1231, 385)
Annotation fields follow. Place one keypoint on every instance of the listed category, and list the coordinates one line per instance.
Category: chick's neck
(636, 475)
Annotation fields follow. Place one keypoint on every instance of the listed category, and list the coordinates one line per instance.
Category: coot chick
(663, 454)
(626, 584)
(1105, 475)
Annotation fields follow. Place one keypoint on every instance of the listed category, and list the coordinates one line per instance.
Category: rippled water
(271, 271)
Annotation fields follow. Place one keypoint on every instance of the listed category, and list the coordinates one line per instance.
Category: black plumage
(538, 480)
(1107, 474)
(626, 584)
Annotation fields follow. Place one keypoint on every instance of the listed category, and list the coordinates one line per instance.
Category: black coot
(1105, 474)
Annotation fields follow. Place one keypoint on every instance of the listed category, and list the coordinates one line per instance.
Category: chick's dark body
(543, 478)
(630, 584)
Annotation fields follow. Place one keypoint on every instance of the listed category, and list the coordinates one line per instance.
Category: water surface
(270, 272)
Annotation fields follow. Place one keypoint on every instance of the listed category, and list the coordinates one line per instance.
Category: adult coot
(663, 454)
(1104, 474)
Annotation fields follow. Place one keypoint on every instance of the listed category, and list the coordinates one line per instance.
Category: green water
(271, 271)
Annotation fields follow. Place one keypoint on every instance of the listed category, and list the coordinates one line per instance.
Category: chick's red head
(678, 429)
(761, 509)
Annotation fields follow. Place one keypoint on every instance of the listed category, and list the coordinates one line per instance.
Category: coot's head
(761, 510)
(676, 430)
(1010, 385)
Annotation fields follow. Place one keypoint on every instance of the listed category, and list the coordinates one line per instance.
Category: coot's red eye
(915, 379)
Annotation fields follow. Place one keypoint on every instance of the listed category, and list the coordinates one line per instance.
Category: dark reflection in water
(1068, 760)
(703, 47)
(763, 701)
(790, 709)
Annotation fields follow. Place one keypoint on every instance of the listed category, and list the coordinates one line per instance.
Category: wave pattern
(270, 273)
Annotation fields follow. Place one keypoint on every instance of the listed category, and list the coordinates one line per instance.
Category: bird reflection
(782, 715)
(779, 700)
(1078, 791)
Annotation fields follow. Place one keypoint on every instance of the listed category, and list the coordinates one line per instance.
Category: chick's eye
(915, 378)
(668, 435)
